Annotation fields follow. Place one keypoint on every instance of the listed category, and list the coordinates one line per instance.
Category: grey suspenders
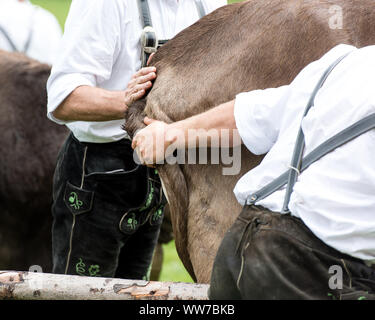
(28, 40)
(200, 8)
(7, 37)
(298, 164)
(149, 40)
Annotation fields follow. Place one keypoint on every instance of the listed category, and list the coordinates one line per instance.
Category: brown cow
(241, 47)
(28, 151)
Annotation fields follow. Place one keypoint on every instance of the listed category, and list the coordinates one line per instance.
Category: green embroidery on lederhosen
(157, 214)
(80, 267)
(149, 198)
(94, 270)
(74, 201)
(132, 223)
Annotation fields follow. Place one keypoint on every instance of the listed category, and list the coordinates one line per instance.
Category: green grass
(173, 270)
(59, 8)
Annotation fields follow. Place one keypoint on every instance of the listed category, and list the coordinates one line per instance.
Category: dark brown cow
(29, 144)
(251, 45)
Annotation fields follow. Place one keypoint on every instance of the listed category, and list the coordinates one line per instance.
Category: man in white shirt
(29, 29)
(107, 209)
(323, 246)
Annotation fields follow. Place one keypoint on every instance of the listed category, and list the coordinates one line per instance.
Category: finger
(135, 96)
(147, 121)
(132, 97)
(137, 92)
(132, 83)
(134, 143)
(142, 86)
(144, 71)
(148, 77)
(146, 160)
(139, 155)
(141, 79)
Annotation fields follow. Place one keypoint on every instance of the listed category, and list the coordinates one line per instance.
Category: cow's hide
(29, 145)
(241, 47)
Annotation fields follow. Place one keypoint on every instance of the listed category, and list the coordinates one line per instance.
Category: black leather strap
(145, 11)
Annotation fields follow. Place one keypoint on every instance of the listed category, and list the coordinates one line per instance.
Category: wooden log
(44, 286)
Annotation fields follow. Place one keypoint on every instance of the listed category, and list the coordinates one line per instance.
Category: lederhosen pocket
(151, 211)
(78, 200)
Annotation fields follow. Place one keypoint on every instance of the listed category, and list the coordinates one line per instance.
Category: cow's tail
(176, 191)
(174, 184)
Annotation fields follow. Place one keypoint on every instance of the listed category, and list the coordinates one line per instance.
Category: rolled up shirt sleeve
(90, 46)
(258, 116)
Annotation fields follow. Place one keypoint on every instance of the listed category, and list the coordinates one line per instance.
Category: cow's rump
(241, 47)
(29, 144)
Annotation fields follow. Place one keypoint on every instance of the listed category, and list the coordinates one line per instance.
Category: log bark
(43, 286)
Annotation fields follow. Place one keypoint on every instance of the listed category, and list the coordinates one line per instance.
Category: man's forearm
(215, 127)
(220, 118)
(87, 103)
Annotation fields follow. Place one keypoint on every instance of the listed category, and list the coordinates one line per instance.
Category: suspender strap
(145, 10)
(28, 40)
(300, 142)
(31, 33)
(149, 40)
(329, 145)
(146, 15)
(200, 8)
(6, 35)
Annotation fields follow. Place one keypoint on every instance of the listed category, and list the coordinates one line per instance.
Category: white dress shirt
(20, 20)
(101, 48)
(335, 196)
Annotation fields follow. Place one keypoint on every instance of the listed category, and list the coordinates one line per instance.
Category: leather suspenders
(298, 164)
(149, 40)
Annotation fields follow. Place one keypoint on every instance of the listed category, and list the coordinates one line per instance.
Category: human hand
(151, 143)
(139, 83)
